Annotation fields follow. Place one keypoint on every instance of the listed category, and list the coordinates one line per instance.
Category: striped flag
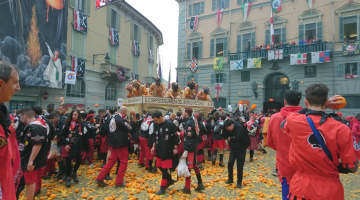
(194, 23)
(80, 21)
(219, 16)
(159, 70)
(169, 78)
(114, 37)
(246, 10)
(272, 28)
(310, 3)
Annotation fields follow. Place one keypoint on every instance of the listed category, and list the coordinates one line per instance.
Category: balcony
(114, 72)
(262, 52)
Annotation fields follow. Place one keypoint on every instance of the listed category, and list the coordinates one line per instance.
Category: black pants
(239, 157)
(69, 169)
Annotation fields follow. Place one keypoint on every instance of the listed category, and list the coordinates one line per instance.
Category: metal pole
(333, 47)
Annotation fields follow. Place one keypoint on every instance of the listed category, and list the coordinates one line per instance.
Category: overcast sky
(164, 14)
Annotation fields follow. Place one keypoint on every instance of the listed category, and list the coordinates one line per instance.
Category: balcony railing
(262, 52)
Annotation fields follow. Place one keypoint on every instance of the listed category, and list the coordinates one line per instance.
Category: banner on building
(320, 57)
(194, 23)
(253, 63)
(101, 3)
(113, 37)
(70, 78)
(80, 21)
(78, 66)
(219, 14)
(135, 48)
(351, 48)
(218, 63)
(277, 54)
(236, 65)
(310, 3)
(298, 59)
(246, 6)
(276, 5)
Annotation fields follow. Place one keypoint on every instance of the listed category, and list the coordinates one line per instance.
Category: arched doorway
(275, 86)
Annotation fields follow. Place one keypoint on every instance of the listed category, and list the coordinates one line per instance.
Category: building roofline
(142, 19)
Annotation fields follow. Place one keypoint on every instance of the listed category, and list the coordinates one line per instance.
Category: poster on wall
(33, 38)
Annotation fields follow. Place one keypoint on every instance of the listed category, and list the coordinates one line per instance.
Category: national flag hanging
(80, 21)
(194, 23)
(276, 5)
(169, 83)
(219, 16)
(310, 3)
(324, 56)
(301, 58)
(102, 3)
(114, 37)
(70, 78)
(246, 9)
(218, 88)
(135, 48)
(272, 32)
(236, 65)
(159, 70)
(78, 66)
(279, 54)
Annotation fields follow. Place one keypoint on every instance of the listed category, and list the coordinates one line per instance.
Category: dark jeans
(239, 157)
(69, 169)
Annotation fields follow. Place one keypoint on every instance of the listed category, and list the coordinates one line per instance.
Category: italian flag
(246, 10)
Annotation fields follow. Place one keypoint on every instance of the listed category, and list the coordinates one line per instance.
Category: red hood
(285, 111)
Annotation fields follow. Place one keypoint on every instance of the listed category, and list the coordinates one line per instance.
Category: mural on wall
(33, 38)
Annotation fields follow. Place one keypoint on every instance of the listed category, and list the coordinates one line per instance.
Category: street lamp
(106, 58)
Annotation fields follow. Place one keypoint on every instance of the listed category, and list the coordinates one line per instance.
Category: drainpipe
(229, 74)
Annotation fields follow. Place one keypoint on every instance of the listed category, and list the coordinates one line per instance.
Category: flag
(272, 32)
(236, 65)
(78, 66)
(135, 48)
(102, 3)
(301, 58)
(315, 57)
(70, 78)
(80, 21)
(246, 9)
(169, 78)
(293, 59)
(194, 23)
(114, 37)
(279, 54)
(159, 70)
(271, 55)
(276, 5)
(219, 16)
(310, 3)
(218, 63)
(254, 63)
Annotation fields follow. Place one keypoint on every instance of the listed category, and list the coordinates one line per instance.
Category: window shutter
(340, 71)
(72, 3)
(118, 22)
(283, 35)
(202, 7)
(301, 32)
(267, 37)
(225, 47)
(131, 31)
(227, 4)
(87, 7)
(238, 44)
(200, 49)
(358, 28)
(213, 78)
(224, 76)
(108, 16)
(139, 34)
(212, 47)
(190, 10)
(188, 51)
(341, 27)
(319, 30)
(253, 41)
(213, 5)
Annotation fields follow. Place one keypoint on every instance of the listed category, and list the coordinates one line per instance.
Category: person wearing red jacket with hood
(280, 142)
(321, 148)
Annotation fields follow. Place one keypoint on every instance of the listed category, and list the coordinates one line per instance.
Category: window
(350, 28)
(136, 33)
(78, 44)
(246, 42)
(245, 76)
(80, 5)
(195, 50)
(310, 31)
(351, 69)
(353, 101)
(220, 4)
(219, 49)
(198, 8)
(277, 36)
(310, 71)
(239, 2)
(219, 78)
(110, 92)
(151, 42)
(113, 18)
(113, 55)
(77, 90)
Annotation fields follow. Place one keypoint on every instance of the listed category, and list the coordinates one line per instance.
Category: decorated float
(142, 99)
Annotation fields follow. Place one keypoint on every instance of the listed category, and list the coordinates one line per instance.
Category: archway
(276, 85)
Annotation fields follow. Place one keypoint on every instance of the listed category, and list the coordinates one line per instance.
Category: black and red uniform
(165, 140)
(118, 140)
(143, 140)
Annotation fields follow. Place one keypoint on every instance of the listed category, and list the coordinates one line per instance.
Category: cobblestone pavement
(259, 183)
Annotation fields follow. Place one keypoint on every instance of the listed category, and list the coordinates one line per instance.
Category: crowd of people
(312, 147)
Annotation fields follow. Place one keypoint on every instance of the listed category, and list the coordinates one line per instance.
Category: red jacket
(280, 141)
(356, 134)
(316, 176)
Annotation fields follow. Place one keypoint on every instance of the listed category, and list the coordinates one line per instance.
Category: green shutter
(108, 16)
(319, 31)
(87, 7)
(200, 49)
(118, 21)
(212, 47)
(224, 76)
(139, 34)
(72, 3)
(283, 35)
(226, 4)
(131, 31)
(202, 7)
(188, 51)
(340, 71)
(301, 32)
(238, 44)
(190, 10)
(225, 47)
(213, 5)
(341, 27)
(253, 41)
(267, 37)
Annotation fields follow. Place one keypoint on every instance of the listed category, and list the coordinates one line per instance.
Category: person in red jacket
(355, 129)
(280, 142)
(9, 84)
(320, 149)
